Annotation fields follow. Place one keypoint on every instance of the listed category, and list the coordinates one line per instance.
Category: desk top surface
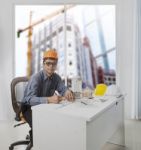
(87, 109)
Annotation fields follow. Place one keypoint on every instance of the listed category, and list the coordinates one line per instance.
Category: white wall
(126, 54)
(6, 59)
(125, 49)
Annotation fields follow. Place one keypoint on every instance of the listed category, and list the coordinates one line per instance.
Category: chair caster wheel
(27, 137)
(10, 148)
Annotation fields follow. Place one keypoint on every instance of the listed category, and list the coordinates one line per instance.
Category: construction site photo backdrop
(83, 35)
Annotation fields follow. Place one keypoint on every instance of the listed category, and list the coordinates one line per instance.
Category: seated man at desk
(42, 86)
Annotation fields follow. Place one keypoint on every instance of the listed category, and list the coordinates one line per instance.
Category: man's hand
(69, 95)
(54, 99)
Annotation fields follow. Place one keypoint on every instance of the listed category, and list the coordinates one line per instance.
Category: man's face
(50, 66)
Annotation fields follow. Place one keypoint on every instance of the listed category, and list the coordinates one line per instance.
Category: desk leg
(119, 136)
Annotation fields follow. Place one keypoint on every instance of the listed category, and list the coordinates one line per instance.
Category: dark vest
(49, 86)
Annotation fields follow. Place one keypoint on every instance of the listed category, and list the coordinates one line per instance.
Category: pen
(84, 103)
(56, 93)
(60, 97)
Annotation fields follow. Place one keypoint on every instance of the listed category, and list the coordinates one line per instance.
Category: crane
(29, 53)
(30, 32)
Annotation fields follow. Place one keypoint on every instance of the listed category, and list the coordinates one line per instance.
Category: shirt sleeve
(31, 92)
(61, 88)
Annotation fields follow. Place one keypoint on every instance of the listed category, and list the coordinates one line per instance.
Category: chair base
(29, 146)
(25, 142)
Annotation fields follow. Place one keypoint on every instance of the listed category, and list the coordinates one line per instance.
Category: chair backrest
(17, 89)
(100, 89)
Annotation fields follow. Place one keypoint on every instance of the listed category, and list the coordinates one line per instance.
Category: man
(42, 86)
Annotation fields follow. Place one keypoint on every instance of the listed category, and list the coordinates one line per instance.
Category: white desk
(78, 126)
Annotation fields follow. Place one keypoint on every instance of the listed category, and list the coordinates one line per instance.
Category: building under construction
(77, 54)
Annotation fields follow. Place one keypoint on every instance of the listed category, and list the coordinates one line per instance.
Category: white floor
(9, 134)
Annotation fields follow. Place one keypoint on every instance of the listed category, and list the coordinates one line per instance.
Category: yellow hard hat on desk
(100, 89)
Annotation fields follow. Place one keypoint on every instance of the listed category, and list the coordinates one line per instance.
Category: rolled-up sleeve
(31, 93)
(61, 88)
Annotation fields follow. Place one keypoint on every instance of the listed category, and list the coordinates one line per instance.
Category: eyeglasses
(50, 63)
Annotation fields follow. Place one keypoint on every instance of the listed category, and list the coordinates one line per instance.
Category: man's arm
(61, 88)
(64, 91)
(31, 92)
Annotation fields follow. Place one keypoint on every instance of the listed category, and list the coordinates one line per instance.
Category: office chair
(16, 103)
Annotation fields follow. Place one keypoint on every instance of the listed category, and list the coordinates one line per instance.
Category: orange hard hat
(51, 53)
